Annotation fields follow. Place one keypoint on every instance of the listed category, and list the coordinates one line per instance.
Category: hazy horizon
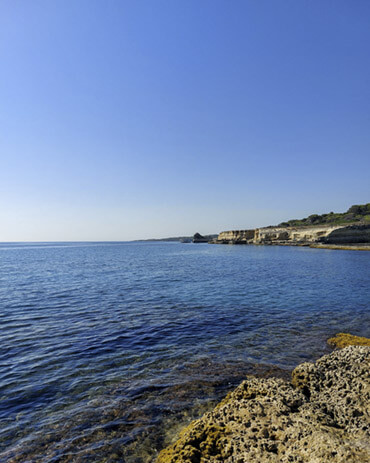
(136, 120)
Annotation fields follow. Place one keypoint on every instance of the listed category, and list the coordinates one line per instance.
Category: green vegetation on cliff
(357, 213)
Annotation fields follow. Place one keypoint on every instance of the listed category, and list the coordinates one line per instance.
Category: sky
(136, 119)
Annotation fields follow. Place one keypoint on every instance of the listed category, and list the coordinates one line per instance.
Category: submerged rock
(322, 415)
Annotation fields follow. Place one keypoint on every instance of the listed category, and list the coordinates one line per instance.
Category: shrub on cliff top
(356, 213)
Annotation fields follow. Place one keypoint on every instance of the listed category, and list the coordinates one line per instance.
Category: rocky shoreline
(347, 236)
(347, 247)
(323, 414)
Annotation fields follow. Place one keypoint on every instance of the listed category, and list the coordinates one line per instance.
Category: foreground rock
(323, 415)
(341, 340)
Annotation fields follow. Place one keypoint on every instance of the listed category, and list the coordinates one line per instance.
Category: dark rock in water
(323, 415)
(198, 238)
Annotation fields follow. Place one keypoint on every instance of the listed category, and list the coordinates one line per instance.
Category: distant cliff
(236, 237)
(337, 234)
(350, 227)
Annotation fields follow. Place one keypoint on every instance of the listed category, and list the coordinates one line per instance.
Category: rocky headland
(322, 414)
(326, 235)
(347, 230)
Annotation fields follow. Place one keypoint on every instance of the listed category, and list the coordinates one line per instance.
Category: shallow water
(106, 347)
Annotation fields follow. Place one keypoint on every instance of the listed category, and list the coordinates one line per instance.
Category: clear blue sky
(150, 118)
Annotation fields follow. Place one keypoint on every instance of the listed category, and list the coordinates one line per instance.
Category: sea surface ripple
(106, 348)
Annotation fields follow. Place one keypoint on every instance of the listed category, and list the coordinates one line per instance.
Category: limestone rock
(236, 237)
(344, 339)
(323, 415)
(304, 235)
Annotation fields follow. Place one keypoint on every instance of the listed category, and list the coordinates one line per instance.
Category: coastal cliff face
(353, 234)
(334, 234)
(236, 237)
(293, 234)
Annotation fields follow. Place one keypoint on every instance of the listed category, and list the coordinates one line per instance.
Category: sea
(108, 349)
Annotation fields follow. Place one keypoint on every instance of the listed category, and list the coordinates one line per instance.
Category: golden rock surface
(341, 340)
(323, 415)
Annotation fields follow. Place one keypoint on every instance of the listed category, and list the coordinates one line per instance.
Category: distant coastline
(348, 230)
(183, 239)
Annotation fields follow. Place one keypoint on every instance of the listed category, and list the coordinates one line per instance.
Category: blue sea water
(106, 347)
